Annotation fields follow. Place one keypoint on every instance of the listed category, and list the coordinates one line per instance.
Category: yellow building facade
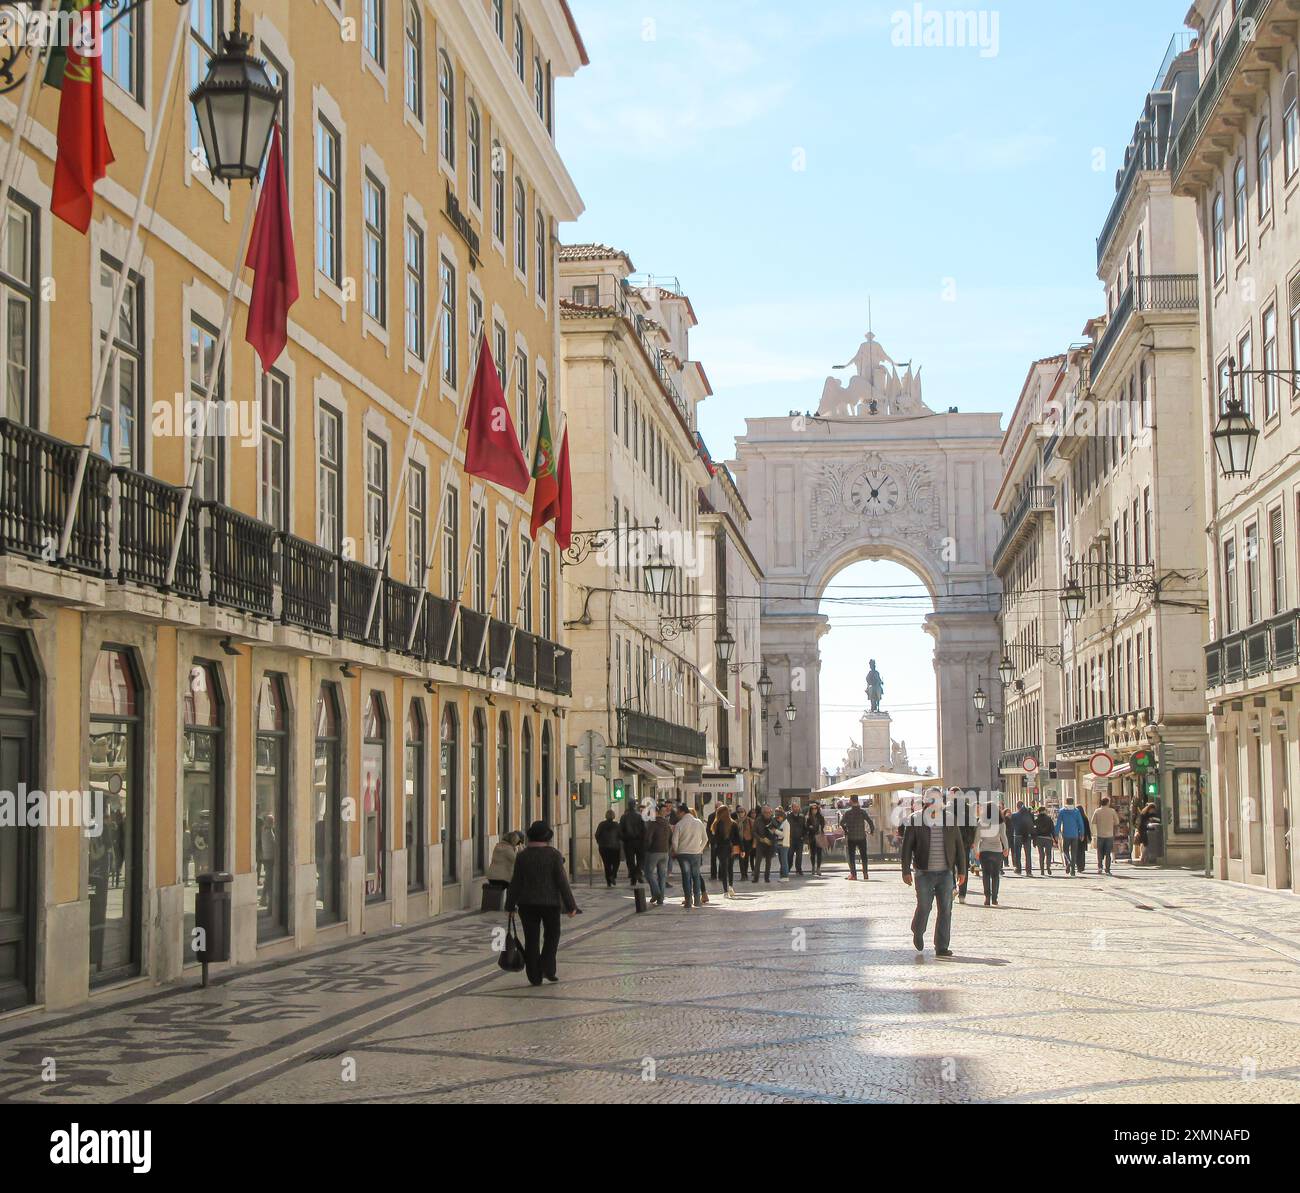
(242, 712)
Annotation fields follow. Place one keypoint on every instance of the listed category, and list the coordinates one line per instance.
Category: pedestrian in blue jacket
(1071, 828)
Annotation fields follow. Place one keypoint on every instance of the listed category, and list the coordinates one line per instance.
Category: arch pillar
(793, 659)
(967, 648)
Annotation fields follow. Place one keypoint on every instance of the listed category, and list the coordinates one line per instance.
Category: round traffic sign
(1101, 764)
(1029, 764)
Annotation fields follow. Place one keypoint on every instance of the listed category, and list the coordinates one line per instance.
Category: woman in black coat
(814, 826)
(540, 890)
(1044, 836)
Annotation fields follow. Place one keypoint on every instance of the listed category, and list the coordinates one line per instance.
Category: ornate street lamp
(1006, 670)
(980, 699)
(979, 725)
(658, 576)
(777, 729)
(1072, 601)
(764, 683)
(235, 107)
(726, 645)
(1235, 438)
(790, 711)
(991, 717)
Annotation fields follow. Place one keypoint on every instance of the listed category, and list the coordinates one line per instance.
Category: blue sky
(786, 161)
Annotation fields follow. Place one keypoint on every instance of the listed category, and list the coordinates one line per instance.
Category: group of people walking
(1072, 831)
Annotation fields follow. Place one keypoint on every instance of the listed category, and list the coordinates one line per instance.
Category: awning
(876, 781)
(662, 775)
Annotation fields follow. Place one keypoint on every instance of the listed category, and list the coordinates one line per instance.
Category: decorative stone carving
(895, 497)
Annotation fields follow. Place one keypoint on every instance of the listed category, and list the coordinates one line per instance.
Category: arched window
(474, 148)
(478, 790)
(498, 192)
(413, 55)
(526, 774)
(272, 826)
(1264, 167)
(1218, 245)
(541, 255)
(1290, 127)
(503, 775)
(449, 792)
(1239, 205)
(374, 797)
(521, 227)
(203, 776)
(447, 110)
(413, 796)
(114, 869)
(327, 802)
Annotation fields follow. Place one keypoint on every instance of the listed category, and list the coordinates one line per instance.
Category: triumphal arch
(876, 474)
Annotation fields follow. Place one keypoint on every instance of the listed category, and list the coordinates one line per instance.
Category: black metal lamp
(1235, 435)
(1072, 601)
(764, 683)
(1006, 670)
(235, 107)
(980, 699)
(726, 645)
(790, 711)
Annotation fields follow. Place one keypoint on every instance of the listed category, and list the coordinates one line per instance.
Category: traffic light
(1151, 785)
(618, 791)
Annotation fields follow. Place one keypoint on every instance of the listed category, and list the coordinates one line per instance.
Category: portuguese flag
(84, 151)
(546, 490)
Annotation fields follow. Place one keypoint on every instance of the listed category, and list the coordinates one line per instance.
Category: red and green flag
(84, 152)
(546, 487)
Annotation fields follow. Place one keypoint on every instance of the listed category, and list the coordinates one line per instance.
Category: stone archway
(876, 474)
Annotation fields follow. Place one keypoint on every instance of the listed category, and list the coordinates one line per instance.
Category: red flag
(492, 443)
(546, 493)
(84, 151)
(564, 520)
(273, 262)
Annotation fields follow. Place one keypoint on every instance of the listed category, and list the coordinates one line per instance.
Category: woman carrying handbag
(540, 890)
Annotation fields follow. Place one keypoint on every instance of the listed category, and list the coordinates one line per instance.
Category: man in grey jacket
(856, 824)
(932, 849)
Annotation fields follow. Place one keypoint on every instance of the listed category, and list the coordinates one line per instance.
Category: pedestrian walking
(1044, 839)
(1150, 814)
(1022, 838)
(856, 824)
(631, 831)
(931, 850)
(539, 890)
(689, 841)
(1104, 820)
(658, 848)
(1084, 842)
(746, 843)
(501, 869)
(764, 846)
(991, 847)
(713, 848)
(815, 833)
(726, 837)
(781, 838)
(1070, 825)
(798, 831)
(608, 841)
(965, 818)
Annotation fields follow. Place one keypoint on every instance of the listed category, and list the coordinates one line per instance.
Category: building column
(967, 651)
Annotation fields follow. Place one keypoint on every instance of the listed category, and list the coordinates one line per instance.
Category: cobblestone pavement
(1143, 987)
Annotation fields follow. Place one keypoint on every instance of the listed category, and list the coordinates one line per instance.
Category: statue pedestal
(877, 746)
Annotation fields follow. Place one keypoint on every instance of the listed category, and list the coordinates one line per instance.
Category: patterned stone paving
(1147, 986)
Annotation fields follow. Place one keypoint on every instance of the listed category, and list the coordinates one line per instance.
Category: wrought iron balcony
(307, 585)
(1082, 737)
(1014, 759)
(1260, 649)
(1148, 292)
(1035, 499)
(147, 511)
(241, 561)
(639, 731)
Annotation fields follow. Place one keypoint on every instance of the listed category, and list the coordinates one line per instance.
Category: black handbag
(512, 954)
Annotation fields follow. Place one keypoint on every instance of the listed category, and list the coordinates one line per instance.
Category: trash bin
(212, 916)
(1155, 842)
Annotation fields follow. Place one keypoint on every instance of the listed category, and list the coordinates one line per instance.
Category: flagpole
(455, 613)
(217, 358)
(105, 354)
(14, 151)
(436, 341)
(461, 398)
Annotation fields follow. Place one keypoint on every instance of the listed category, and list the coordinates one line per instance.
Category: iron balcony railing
(1243, 29)
(1014, 759)
(1260, 649)
(639, 731)
(1035, 499)
(1148, 292)
(37, 473)
(1081, 736)
(125, 526)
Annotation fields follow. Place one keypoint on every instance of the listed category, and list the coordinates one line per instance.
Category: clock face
(875, 494)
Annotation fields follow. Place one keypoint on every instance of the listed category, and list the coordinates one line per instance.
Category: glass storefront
(526, 773)
(503, 775)
(328, 806)
(414, 797)
(478, 791)
(203, 800)
(374, 796)
(272, 823)
(449, 785)
(114, 853)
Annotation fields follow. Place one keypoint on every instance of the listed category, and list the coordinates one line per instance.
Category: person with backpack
(631, 832)
(607, 842)
(815, 833)
(1070, 826)
(856, 824)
